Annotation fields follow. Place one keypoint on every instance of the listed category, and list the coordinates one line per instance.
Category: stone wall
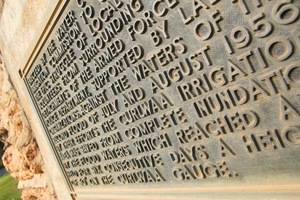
(21, 26)
(22, 157)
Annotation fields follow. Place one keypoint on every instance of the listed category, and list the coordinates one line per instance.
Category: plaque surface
(160, 94)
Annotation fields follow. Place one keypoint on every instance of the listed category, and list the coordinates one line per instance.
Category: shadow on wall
(1, 6)
(1, 148)
(1, 153)
(3, 134)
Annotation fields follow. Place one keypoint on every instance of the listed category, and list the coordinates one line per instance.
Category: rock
(16, 165)
(38, 194)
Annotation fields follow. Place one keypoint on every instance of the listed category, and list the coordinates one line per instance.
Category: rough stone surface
(36, 194)
(22, 157)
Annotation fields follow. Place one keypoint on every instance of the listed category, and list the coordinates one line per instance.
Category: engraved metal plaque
(171, 94)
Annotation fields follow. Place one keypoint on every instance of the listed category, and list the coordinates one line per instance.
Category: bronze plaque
(171, 94)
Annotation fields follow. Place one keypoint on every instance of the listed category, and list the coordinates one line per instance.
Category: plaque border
(44, 31)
